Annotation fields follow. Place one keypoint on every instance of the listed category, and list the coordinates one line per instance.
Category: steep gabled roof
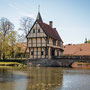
(49, 31)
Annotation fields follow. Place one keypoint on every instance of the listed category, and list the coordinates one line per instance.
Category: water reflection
(9, 79)
(5, 75)
(44, 79)
(10, 75)
(30, 79)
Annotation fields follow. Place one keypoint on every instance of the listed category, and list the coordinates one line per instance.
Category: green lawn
(10, 64)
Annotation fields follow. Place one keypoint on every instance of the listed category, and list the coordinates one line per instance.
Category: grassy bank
(10, 64)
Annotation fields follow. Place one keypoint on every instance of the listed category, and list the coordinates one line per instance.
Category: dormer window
(38, 30)
(33, 30)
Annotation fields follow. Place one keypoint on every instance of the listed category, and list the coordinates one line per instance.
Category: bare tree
(5, 28)
(26, 24)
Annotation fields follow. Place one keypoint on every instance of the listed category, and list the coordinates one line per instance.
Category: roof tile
(51, 32)
(77, 49)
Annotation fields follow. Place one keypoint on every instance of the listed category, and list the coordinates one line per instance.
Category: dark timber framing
(36, 42)
(41, 47)
(41, 43)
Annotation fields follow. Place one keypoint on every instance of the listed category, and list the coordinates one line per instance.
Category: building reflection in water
(31, 79)
(44, 78)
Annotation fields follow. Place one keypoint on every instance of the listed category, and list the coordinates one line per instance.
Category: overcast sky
(70, 17)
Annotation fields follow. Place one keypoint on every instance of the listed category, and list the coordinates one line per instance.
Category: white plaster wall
(41, 34)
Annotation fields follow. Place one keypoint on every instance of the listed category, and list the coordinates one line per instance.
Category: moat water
(44, 78)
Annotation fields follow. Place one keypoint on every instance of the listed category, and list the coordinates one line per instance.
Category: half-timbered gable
(43, 40)
(36, 31)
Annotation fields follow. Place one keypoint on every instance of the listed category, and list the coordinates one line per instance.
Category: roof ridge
(50, 31)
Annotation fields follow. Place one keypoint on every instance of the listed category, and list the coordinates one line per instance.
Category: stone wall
(54, 62)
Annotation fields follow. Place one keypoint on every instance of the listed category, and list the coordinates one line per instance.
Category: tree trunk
(0, 54)
(3, 56)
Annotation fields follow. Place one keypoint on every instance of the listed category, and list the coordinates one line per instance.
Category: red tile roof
(77, 49)
(51, 32)
(23, 47)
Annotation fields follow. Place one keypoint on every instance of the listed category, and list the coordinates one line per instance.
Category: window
(54, 42)
(32, 53)
(41, 52)
(58, 43)
(33, 30)
(38, 30)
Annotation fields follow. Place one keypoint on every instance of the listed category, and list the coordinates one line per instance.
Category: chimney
(51, 23)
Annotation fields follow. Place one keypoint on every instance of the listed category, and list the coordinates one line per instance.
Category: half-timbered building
(43, 40)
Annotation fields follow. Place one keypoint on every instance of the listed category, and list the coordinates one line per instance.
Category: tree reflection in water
(5, 75)
(30, 79)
